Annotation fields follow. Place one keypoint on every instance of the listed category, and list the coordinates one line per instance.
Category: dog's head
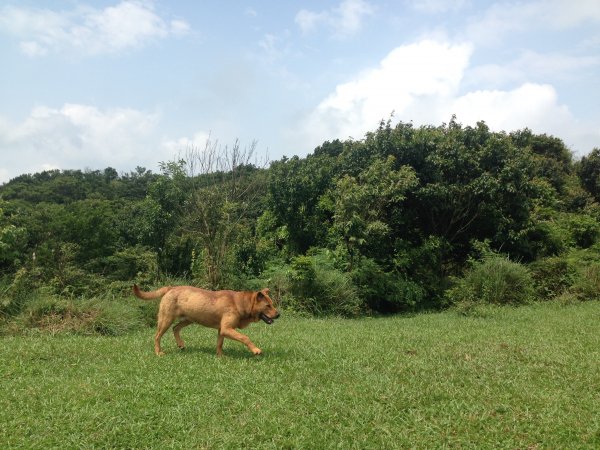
(264, 307)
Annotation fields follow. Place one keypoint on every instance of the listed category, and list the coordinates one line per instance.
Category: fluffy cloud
(129, 24)
(344, 20)
(424, 83)
(436, 6)
(532, 105)
(407, 79)
(79, 136)
(503, 18)
(198, 141)
(531, 65)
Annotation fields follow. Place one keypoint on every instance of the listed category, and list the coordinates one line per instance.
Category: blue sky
(92, 84)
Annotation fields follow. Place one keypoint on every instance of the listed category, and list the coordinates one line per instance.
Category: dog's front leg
(237, 336)
(220, 339)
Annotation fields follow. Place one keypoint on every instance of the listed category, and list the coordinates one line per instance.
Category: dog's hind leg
(220, 339)
(177, 328)
(164, 323)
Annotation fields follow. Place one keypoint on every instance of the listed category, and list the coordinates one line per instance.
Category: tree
(589, 173)
(13, 240)
(295, 188)
(159, 215)
(361, 205)
(223, 204)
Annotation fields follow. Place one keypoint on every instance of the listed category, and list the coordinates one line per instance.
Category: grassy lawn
(512, 378)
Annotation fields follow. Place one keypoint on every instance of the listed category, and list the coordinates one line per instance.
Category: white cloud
(407, 77)
(79, 136)
(345, 20)
(436, 6)
(308, 20)
(507, 17)
(535, 106)
(129, 24)
(532, 105)
(197, 141)
(531, 65)
(424, 83)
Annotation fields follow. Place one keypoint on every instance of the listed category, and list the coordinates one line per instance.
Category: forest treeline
(407, 218)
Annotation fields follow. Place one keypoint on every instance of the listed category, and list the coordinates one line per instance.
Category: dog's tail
(150, 295)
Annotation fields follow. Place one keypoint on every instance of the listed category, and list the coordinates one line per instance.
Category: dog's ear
(264, 294)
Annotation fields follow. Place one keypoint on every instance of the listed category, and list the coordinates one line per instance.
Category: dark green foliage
(553, 276)
(583, 229)
(295, 187)
(318, 287)
(387, 292)
(132, 263)
(395, 217)
(85, 317)
(55, 186)
(495, 280)
(13, 243)
(587, 283)
(17, 290)
(589, 173)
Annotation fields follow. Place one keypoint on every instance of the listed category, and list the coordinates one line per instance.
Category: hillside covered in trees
(405, 219)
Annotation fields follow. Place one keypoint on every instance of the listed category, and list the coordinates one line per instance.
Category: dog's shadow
(210, 351)
(228, 353)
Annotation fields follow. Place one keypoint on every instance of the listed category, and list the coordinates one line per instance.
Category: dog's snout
(276, 315)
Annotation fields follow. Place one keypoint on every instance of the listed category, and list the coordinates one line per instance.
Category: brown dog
(223, 310)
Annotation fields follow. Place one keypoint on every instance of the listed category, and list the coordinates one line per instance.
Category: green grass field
(524, 377)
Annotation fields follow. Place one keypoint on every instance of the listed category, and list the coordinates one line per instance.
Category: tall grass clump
(318, 287)
(313, 285)
(16, 292)
(386, 292)
(553, 276)
(587, 283)
(495, 280)
(54, 315)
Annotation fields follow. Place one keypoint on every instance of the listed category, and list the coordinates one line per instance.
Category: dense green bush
(395, 217)
(318, 287)
(552, 276)
(16, 292)
(385, 292)
(87, 317)
(584, 230)
(139, 263)
(495, 280)
(587, 283)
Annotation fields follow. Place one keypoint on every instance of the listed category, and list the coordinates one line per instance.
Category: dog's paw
(256, 351)
(160, 354)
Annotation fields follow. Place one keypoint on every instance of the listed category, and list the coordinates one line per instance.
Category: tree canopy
(393, 217)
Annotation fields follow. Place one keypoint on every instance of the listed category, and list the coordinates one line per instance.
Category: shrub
(583, 229)
(15, 293)
(384, 291)
(495, 280)
(318, 287)
(277, 277)
(139, 263)
(552, 276)
(111, 318)
(312, 284)
(148, 312)
(88, 317)
(587, 282)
